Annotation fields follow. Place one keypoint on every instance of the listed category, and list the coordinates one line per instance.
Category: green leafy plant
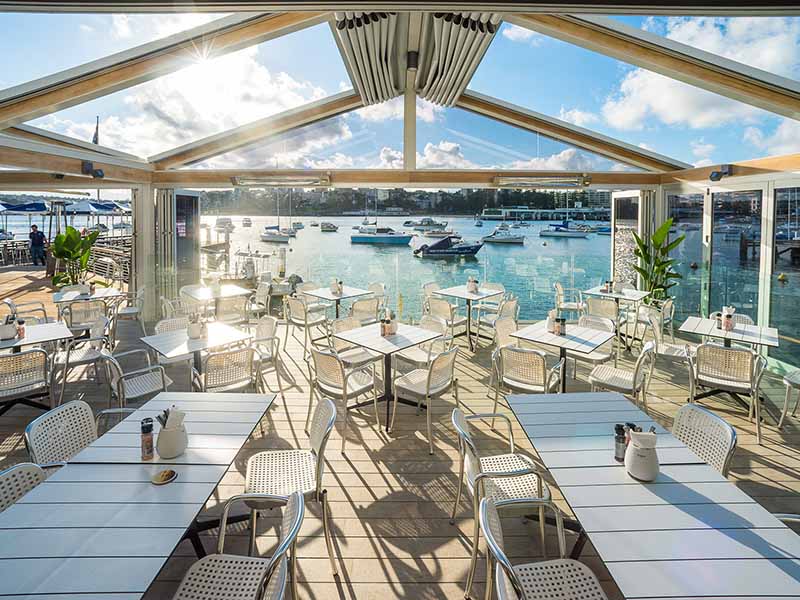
(656, 266)
(73, 252)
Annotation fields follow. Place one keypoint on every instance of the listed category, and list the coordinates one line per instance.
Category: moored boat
(503, 236)
(247, 222)
(563, 230)
(372, 234)
(328, 227)
(425, 223)
(314, 224)
(441, 233)
(297, 225)
(478, 223)
(448, 246)
(224, 225)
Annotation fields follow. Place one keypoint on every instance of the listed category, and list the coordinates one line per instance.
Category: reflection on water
(528, 271)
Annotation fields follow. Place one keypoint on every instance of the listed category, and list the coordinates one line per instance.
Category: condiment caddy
(388, 324)
(337, 287)
(637, 450)
(473, 286)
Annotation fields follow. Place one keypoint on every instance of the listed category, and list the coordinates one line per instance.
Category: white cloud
(646, 146)
(389, 158)
(702, 151)
(772, 44)
(154, 27)
(784, 139)
(578, 117)
(86, 28)
(570, 159)
(521, 34)
(393, 110)
(120, 27)
(444, 155)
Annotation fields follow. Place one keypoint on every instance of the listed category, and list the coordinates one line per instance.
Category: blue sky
(527, 69)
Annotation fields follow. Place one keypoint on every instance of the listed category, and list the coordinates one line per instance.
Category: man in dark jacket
(38, 241)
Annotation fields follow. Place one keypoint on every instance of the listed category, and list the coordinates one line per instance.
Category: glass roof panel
(628, 103)
(454, 138)
(211, 96)
(37, 44)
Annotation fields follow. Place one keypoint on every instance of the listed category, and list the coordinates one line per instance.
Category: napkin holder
(616, 287)
(172, 442)
(551, 321)
(195, 330)
(8, 332)
(641, 458)
(472, 285)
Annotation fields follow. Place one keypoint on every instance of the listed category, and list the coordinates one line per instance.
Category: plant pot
(172, 442)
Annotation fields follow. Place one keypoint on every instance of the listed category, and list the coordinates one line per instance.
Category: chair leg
(755, 400)
(542, 531)
(375, 399)
(496, 399)
(293, 571)
(458, 492)
(310, 403)
(394, 406)
(489, 577)
(278, 377)
(326, 526)
(253, 523)
(286, 334)
(785, 406)
(344, 428)
(475, 541)
(64, 373)
(429, 418)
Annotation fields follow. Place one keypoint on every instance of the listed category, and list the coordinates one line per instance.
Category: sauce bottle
(147, 438)
(620, 442)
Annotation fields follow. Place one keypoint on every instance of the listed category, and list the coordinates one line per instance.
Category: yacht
(503, 236)
(425, 223)
(224, 225)
(314, 224)
(247, 222)
(448, 246)
(562, 230)
(329, 227)
(275, 235)
(297, 225)
(6, 236)
(441, 233)
(372, 234)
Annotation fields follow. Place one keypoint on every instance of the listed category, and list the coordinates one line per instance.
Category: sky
(522, 67)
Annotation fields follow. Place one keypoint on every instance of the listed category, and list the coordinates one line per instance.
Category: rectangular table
(689, 534)
(205, 294)
(746, 334)
(100, 293)
(38, 334)
(370, 337)
(626, 295)
(98, 526)
(173, 344)
(582, 340)
(347, 293)
(460, 292)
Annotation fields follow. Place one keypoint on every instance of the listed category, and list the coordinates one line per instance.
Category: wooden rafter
(50, 137)
(769, 166)
(671, 59)
(257, 131)
(42, 181)
(37, 156)
(390, 177)
(566, 132)
(143, 63)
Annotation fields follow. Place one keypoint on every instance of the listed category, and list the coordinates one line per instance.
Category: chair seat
(358, 357)
(573, 306)
(313, 320)
(792, 379)
(8, 392)
(456, 321)
(597, 356)
(128, 311)
(230, 576)
(144, 384)
(507, 488)
(528, 387)
(723, 383)
(80, 356)
(676, 350)
(317, 306)
(281, 472)
(559, 579)
(358, 383)
(415, 383)
(612, 378)
(489, 319)
(415, 355)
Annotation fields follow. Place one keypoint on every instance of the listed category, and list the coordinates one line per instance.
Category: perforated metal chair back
(59, 434)
(509, 308)
(429, 288)
(644, 364)
(328, 368)
(595, 322)
(23, 371)
(735, 365)
(171, 324)
(262, 292)
(465, 439)
(232, 309)
(527, 366)
(228, 369)
(84, 313)
(319, 432)
(708, 435)
(18, 481)
(296, 309)
(602, 307)
(503, 328)
(266, 327)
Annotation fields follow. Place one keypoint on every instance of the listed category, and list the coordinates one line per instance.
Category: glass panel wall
(626, 223)
(686, 212)
(736, 239)
(784, 312)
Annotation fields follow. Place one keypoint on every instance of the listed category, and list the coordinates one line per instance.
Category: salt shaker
(147, 438)
(620, 443)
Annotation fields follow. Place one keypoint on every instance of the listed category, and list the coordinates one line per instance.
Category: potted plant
(72, 252)
(655, 265)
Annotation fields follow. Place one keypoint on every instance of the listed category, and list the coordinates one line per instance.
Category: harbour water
(528, 271)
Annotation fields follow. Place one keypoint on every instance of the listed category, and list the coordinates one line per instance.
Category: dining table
(689, 534)
(99, 528)
(347, 293)
(174, 344)
(461, 292)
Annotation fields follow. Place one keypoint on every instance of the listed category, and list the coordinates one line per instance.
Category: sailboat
(370, 233)
(274, 233)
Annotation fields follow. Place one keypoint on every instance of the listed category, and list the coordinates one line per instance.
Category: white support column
(143, 275)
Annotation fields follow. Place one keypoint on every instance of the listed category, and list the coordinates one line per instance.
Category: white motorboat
(441, 233)
(329, 227)
(426, 223)
(503, 236)
(247, 222)
(297, 225)
(224, 225)
(275, 235)
(562, 230)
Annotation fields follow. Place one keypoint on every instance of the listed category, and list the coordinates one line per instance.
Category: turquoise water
(528, 271)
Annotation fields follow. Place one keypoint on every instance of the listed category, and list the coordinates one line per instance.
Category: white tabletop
(627, 295)
(100, 527)
(100, 293)
(460, 292)
(370, 337)
(173, 344)
(748, 334)
(577, 339)
(227, 290)
(689, 534)
(326, 294)
(39, 334)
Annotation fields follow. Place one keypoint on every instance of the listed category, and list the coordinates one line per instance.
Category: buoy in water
(693, 265)
(783, 278)
(544, 243)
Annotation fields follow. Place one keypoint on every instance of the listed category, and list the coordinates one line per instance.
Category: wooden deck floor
(391, 500)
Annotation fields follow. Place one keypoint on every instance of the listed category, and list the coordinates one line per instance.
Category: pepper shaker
(147, 438)
(619, 442)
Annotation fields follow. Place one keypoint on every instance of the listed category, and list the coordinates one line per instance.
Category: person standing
(38, 241)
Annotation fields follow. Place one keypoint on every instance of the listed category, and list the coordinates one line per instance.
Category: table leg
(336, 302)
(387, 386)
(562, 353)
(469, 325)
(727, 342)
(198, 361)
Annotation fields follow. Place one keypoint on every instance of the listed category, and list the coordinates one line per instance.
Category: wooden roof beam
(37, 134)
(257, 131)
(49, 158)
(567, 132)
(143, 63)
(670, 58)
(763, 167)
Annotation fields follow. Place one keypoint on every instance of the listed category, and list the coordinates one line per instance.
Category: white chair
(378, 290)
(709, 436)
(133, 309)
(732, 370)
(351, 355)
(524, 370)
(231, 370)
(168, 325)
(284, 472)
(260, 301)
(297, 314)
(559, 579)
(171, 309)
(366, 310)
(567, 299)
(669, 350)
(506, 309)
(502, 478)
(445, 311)
(313, 304)
(427, 385)
(632, 383)
(332, 379)
(221, 575)
(59, 434)
(604, 307)
(503, 328)
(24, 378)
(17, 481)
(489, 305)
(34, 307)
(267, 345)
(79, 316)
(134, 384)
(662, 312)
(792, 383)
(192, 305)
(600, 355)
(421, 355)
(82, 352)
(232, 310)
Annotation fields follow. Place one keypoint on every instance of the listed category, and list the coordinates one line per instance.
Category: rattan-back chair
(524, 370)
(633, 383)
(17, 481)
(80, 315)
(352, 355)
(267, 345)
(24, 376)
(366, 310)
(298, 314)
(228, 371)
(567, 299)
(232, 310)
